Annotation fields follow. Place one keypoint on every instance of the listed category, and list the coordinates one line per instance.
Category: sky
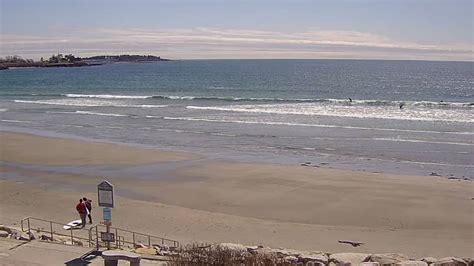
(220, 29)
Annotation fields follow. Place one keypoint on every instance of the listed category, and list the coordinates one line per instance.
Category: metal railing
(128, 239)
(55, 229)
(123, 238)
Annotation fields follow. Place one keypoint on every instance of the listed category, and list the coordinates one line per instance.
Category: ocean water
(404, 117)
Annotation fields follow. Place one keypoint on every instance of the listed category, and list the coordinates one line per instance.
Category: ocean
(401, 117)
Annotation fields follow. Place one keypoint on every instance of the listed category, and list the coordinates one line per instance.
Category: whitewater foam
(379, 112)
(105, 96)
(88, 103)
(424, 141)
(15, 121)
(313, 125)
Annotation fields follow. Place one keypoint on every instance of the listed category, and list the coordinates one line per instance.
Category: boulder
(232, 246)
(4, 234)
(313, 257)
(162, 247)
(287, 252)
(265, 251)
(7, 229)
(291, 259)
(412, 263)
(469, 261)
(27, 236)
(252, 249)
(429, 260)
(140, 245)
(45, 238)
(346, 258)
(388, 259)
(314, 263)
(146, 251)
(450, 261)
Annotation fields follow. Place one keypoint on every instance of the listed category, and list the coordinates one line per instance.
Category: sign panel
(107, 223)
(107, 237)
(107, 214)
(106, 194)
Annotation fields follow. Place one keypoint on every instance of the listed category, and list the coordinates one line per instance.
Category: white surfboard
(72, 225)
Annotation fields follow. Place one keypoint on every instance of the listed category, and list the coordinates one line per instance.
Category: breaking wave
(345, 102)
(89, 103)
(311, 125)
(379, 112)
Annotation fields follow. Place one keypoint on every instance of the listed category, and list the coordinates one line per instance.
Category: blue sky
(369, 29)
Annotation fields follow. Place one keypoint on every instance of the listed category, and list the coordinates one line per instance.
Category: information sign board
(106, 194)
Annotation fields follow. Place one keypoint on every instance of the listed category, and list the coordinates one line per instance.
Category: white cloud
(229, 43)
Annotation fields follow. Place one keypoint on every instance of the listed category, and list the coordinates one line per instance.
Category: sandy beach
(190, 198)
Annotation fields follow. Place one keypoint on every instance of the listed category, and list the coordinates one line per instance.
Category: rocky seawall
(238, 254)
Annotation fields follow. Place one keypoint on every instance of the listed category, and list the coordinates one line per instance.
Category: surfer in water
(350, 100)
(401, 105)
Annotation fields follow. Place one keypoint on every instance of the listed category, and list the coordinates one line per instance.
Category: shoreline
(191, 199)
(385, 167)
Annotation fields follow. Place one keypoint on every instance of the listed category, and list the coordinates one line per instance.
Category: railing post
(51, 228)
(117, 241)
(72, 238)
(29, 229)
(97, 237)
(133, 237)
(149, 241)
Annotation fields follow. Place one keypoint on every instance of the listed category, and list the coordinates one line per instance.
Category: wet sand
(188, 198)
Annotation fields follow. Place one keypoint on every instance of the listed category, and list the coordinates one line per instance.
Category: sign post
(105, 191)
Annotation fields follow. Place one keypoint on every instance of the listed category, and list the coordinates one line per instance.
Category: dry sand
(296, 207)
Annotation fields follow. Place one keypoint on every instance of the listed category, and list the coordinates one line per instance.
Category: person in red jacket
(81, 209)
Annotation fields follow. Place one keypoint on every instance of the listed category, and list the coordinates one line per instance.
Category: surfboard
(72, 225)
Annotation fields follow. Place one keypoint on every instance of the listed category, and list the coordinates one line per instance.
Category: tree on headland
(15, 59)
(60, 58)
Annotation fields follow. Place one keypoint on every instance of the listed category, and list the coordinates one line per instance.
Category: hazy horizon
(437, 30)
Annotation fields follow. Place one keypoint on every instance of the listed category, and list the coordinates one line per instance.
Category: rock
(370, 264)
(265, 251)
(168, 253)
(469, 261)
(314, 263)
(146, 251)
(45, 238)
(287, 252)
(27, 237)
(291, 259)
(4, 234)
(450, 261)
(388, 258)
(429, 260)
(162, 247)
(412, 263)
(345, 258)
(6, 229)
(314, 257)
(252, 249)
(140, 245)
(233, 247)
